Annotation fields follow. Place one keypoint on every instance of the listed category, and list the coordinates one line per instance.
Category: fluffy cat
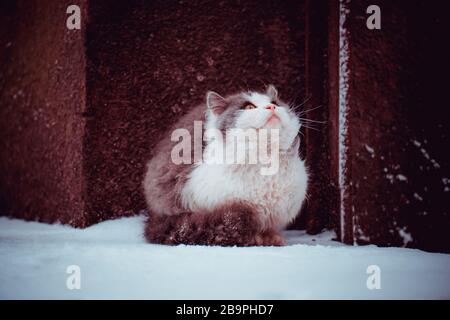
(220, 203)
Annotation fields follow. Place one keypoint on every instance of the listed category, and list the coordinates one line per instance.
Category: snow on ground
(116, 262)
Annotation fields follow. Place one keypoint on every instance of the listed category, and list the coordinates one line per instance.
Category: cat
(227, 204)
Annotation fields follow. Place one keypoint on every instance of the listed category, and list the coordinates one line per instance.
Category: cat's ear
(272, 91)
(215, 102)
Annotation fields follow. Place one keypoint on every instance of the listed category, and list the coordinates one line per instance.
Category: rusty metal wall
(42, 98)
(398, 137)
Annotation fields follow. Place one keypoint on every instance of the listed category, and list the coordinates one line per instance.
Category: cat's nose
(270, 107)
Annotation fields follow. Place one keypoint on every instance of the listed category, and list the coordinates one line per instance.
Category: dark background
(80, 110)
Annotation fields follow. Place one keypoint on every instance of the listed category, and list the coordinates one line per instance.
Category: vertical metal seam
(343, 110)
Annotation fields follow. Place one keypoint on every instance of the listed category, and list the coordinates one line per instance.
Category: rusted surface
(398, 126)
(42, 92)
(332, 109)
(149, 62)
(323, 202)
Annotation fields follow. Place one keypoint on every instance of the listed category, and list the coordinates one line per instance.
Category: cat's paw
(269, 239)
(275, 240)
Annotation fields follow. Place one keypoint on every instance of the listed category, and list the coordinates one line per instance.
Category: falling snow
(406, 236)
(418, 197)
(370, 150)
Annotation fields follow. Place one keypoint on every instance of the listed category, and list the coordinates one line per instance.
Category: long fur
(230, 225)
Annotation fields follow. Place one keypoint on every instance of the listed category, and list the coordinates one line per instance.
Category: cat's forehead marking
(258, 99)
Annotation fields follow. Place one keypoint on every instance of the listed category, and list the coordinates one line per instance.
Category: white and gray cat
(220, 203)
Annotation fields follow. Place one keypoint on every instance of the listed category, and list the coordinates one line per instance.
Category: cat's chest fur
(277, 197)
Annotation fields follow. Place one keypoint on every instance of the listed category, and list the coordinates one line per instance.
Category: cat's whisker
(311, 120)
(302, 104)
(307, 197)
(309, 110)
(312, 124)
(310, 127)
(302, 133)
(295, 97)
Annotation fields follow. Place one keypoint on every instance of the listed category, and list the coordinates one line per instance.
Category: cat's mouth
(273, 117)
(273, 120)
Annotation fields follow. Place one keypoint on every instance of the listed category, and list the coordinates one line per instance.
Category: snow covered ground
(115, 262)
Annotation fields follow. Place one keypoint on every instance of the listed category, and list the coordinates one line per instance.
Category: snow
(406, 236)
(370, 149)
(116, 262)
(417, 196)
(390, 177)
(426, 154)
(446, 181)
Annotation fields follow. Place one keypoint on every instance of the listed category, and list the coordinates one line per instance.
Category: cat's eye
(273, 102)
(249, 106)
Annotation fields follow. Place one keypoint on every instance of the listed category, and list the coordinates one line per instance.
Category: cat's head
(257, 110)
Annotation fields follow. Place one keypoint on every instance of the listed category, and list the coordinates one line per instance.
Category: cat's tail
(230, 225)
